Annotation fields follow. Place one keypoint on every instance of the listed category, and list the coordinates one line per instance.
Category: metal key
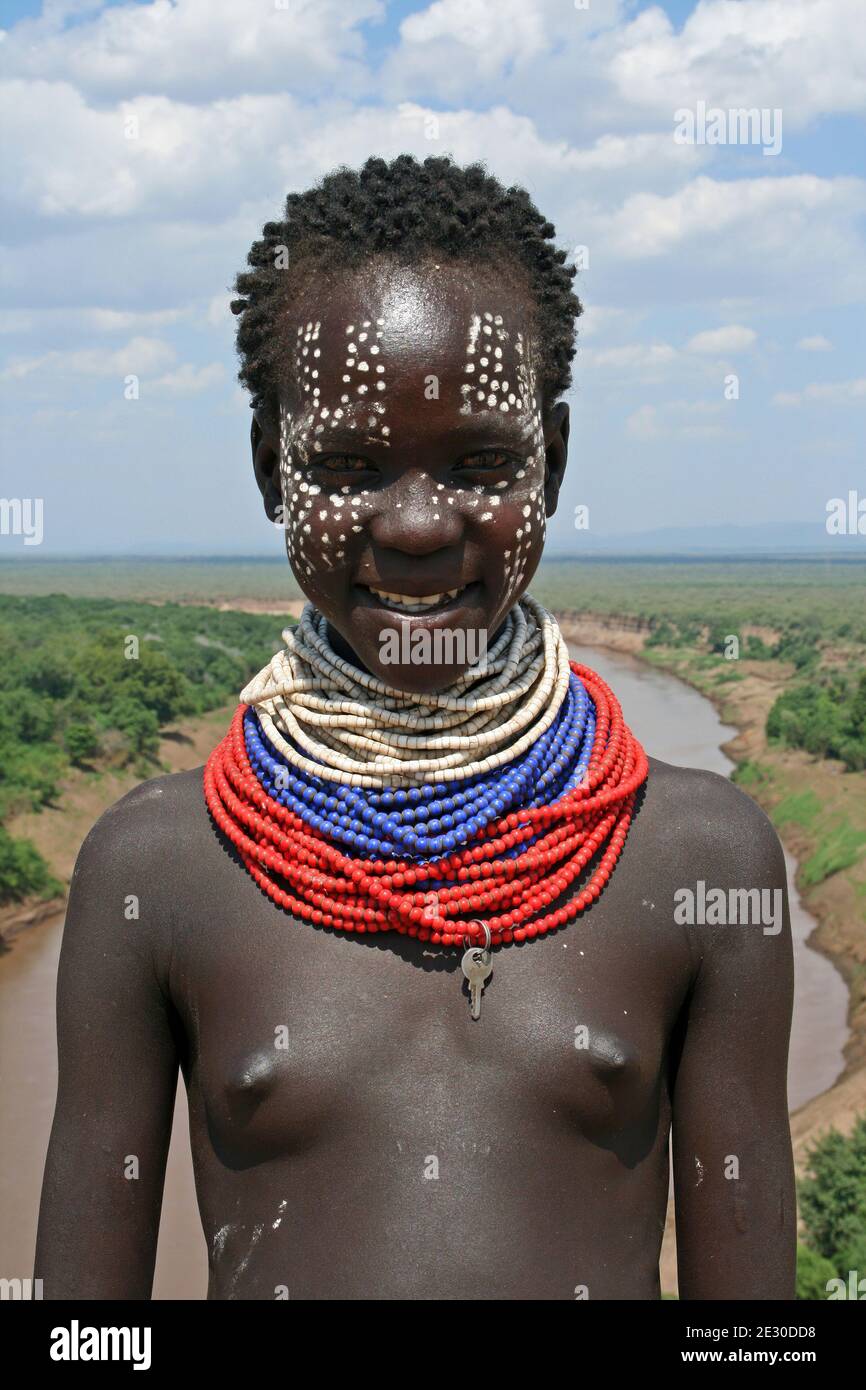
(477, 967)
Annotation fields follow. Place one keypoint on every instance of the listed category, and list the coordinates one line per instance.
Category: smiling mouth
(412, 604)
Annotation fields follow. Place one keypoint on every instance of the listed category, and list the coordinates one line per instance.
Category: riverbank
(58, 830)
(810, 801)
(775, 778)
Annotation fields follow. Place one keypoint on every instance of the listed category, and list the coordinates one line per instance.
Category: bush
(826, 717)
(800, 646)
(833, 1196)
(139, 724)
(757, 649)
(23, 871)
(81, 742)
(814, 1272)
(749, 774)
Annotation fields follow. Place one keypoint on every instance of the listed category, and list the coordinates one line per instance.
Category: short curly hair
(406, 209)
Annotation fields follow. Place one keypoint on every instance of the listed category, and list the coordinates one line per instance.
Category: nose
(415, 516)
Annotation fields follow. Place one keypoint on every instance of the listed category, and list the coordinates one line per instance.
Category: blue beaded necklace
(431, 821)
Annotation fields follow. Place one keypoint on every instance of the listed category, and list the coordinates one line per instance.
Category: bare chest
(297, 1036)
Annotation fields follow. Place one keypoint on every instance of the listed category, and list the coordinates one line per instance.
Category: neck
(346, 652)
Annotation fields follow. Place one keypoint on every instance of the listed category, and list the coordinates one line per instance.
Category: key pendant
(477, 967)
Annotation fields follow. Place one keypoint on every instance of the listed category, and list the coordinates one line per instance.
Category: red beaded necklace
(331, 889)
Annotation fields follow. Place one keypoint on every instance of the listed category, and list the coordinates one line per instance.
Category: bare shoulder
(143, 860)
(724, 870)
(163, 815)
(720, 825)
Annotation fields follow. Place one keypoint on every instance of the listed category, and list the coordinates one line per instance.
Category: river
(674, 722)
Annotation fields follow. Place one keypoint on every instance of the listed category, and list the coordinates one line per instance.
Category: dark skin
(395, 1148)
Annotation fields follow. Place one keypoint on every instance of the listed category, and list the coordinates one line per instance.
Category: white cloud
(693, 409)
(151, 156)
(65, 322)
(598, 318)
(238, 104)
(643, 423)
(140, 356)
(219, 308)
(122, 320)
(826, 392)
(807, 57)
(739, 245)
(188, 380)
(721, 341)
(803, 56)
(510, 31)
(768, 211)
(182, 157)
(684, 419)
(200, 48)
(452, 47)
(631, 356)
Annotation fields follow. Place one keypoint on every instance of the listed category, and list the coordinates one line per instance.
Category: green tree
(140, 725)
(23, 871)
(81, 742)
(814, 1272)
(105, 676)
(833, 1195)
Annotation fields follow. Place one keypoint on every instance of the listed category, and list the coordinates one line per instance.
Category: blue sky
(706, 262)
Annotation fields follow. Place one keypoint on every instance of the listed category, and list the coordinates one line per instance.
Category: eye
(344, 463)
(488, 460)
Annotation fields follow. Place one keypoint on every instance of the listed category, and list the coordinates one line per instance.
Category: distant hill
(783, 538)
(789, 538)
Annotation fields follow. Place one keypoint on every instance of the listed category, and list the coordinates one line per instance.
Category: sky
(721, 369)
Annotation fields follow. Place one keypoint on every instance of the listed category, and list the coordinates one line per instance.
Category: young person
(417, 790)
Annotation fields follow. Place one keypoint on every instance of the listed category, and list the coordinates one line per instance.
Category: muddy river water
(674, 722)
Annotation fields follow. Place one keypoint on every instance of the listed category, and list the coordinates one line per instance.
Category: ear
(556, 454)
(264, 442)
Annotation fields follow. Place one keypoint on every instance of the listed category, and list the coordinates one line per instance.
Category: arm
(733, 1166)
(98, 1223)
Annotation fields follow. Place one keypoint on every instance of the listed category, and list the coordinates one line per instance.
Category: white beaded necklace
(330, 719)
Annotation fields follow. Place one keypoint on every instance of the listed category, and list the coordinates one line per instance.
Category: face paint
(449, 496)
(530, 532)
(300, 433)
(499, 375)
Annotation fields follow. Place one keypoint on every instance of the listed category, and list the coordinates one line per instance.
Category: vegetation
(840, 847)
(832, 1200)
(71, 696)
(804, 602)
(24, 871)
(85, 682)
(750, 775)
(732, 594)
(799, 808)
(826, 716)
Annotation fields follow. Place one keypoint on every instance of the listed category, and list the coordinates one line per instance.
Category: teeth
(414, 601)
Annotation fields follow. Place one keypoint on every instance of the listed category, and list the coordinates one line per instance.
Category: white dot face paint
(310, 548)
(499, 375)
(358, 392)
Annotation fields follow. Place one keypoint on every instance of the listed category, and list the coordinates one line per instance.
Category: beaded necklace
(364, 808)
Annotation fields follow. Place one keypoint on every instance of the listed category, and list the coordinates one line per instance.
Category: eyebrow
(484, 428)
